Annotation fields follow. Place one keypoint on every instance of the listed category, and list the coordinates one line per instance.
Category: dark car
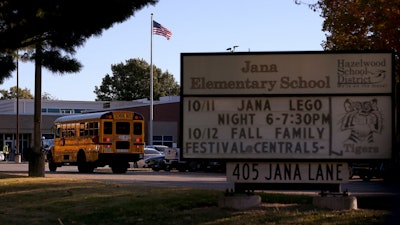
(156, 163)
(367, 170)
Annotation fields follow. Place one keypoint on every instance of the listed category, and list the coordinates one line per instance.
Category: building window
(52, 110)
(157, 138)
(77, 111)
(168, 138)
(67, 111)
(163, 140)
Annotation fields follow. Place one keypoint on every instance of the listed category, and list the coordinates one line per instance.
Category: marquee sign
(287, 106)
(329, 127)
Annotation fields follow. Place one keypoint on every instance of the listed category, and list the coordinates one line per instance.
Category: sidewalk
(13, 162)
(13, 167)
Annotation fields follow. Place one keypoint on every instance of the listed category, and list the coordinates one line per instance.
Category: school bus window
(87, 129)
(70, 133)
(82, 129)
(72, 130)
(107, 127)
(122, 127)
(58, 130)
(137, 128)
(92, 129)
(61, 127)
(68, 130)
(64, 131)
(96, 129)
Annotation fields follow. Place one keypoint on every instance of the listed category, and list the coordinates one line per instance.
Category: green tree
(54, 29)
(12, 93)
(58, 26)
(360, 25)
(364, 25)
(48, 96)
(131, 81)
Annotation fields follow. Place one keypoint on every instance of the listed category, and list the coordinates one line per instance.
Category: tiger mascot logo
(363, 119)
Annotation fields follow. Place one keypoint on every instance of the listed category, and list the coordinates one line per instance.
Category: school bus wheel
(52, 164)
(83, 166)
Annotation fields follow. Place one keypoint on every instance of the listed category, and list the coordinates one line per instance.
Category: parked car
(366, 170)
(156, 163)
(160, 148)
(173, 161)
(148, 152)
(47, 144)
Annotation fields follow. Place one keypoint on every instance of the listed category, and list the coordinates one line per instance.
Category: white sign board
(287, 172)
(290, 106)
(286, 73)
(341, 127)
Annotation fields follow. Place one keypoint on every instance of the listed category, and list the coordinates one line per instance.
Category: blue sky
(196, 26)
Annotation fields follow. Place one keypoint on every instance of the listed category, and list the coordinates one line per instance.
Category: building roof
(63, 107)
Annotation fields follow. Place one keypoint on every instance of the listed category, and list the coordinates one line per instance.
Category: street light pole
(232, 49)
(17, 156)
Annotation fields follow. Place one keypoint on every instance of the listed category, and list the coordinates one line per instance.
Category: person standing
(5, 152)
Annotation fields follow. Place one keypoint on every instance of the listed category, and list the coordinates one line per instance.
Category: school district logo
(360, 73)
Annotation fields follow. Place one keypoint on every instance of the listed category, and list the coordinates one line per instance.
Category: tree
(54, 29)
(164, 84)
(59, 26)
(12, 93)
(48, 96)
(364, 25)
(131, 81)
(360, 25)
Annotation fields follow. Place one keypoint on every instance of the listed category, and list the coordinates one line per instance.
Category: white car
(148, 152)
(160, 148)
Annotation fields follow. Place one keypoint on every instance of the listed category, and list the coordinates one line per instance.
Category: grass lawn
(51, 201)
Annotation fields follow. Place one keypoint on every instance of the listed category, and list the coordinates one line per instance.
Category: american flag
(158, 29)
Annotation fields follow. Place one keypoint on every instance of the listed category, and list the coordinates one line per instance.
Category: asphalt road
(202, 180)
(215, 181)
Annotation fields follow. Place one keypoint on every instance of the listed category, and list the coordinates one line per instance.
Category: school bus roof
(78, 117)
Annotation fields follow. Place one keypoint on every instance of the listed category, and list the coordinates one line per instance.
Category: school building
(166, 118)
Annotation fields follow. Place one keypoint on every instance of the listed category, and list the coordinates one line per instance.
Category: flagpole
(151, 84)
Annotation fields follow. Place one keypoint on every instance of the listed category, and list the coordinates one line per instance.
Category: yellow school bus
(93, 140)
